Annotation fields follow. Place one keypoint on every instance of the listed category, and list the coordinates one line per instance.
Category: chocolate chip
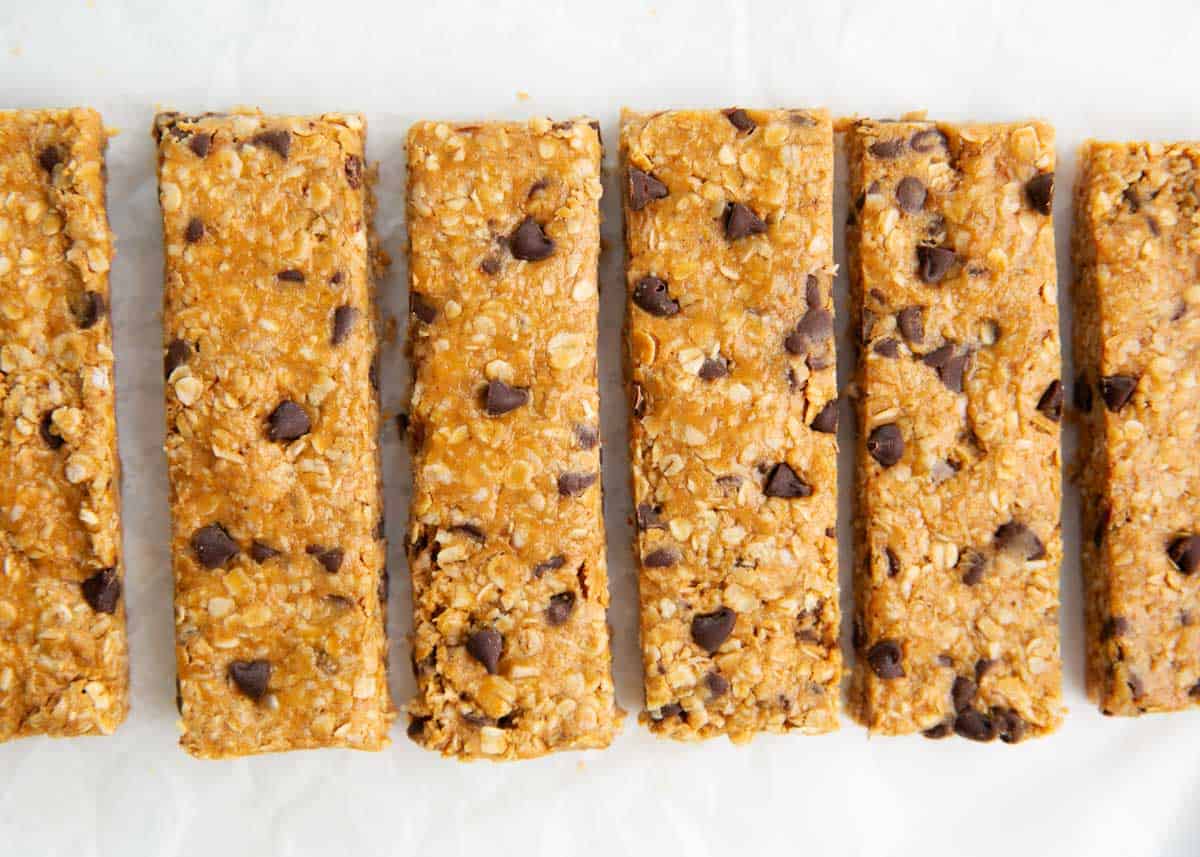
(652, 295)
(279, 140)
(962, 693)
(471, 531)
(572, 484)
(337, 278)
(178, 353)
(885, 658)
(1184, 551)
(343, 322)
(1009, 725)
(1016, 538)
(1116, 626)
(1051, 402)
(421, 308)
(982, 666)
(1083, 395)
(260, 552)
(717, 684)
(561, 607)
(886, 444)
(501, 398)
(741, 222)
(740, 119)
(90, 310)
(490, 265)
(553, 564)
(893, 562)
(649, 517)
(102, 590)
(812, 292)
(485, 646)
(950, 364)
(354, 171)
(330, 558)
(783, 482)
(813, 329)
(826, 420)
(910, 194)
(49, 158)
(213, 546)
(710, 630)
(671, 709)
(933, 263)
(200, 144)
(586, 436)
(1130, 195)
(1117, 390)
(290, 275)
(888, 347)
(50, 437)
(288, 421)
(713, 368)
(940, 730)
(644, 188)
(661, 558)
(887, 148)
(911, 321)
(194, 231)
(1039, 190)
(927, 140)
(251, 677)
(529, 242)
(973, 565)
(974, 725)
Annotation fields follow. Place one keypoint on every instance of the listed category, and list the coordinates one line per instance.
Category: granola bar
(1137, 252)
(731, 367)
(64, 668)
(957, 527)
(272, 433)
(506, 538)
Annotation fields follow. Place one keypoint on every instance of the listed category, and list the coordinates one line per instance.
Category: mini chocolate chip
(1116, 626)
(1015, 537)
(553, 564)
(1184, 551)
(888, 347)
(561, 607)
(279, 140)
(740, 119)
(893, 562)
(710, 630)
(887, 148)
(717, 684)
(654, 296)
(344, 318)
(713, 368)
(586, 436)
(194, 231)
(290, 275)
(500, 398)
(490, 265)
(741, 222)
(485, 646)
(644, 188)
(813, 329)
(940, 730)
(1051, 402)
(826, 420)
(178, 353)
(213, 546)
(421, 308)
(885, 658)
(1039, 190)
(783, 482)
(49, 158)
(260, 552)
(911, 321)
(330, 558)
(933, 263)
(1082, 395)
(671, 709)
(910, 194)
(1117, 390)
(974, 725)
(90, 310)
(886, 444)
(251, 677)
(529, 242)
(649, 517)
(354, 171)
(661, 558)
(962, 692)
(50, 437)
(1009, 725)
(973, 565)
(950, 365)
(102, 590)
(200, 144)
(927, 140)
(288, 421)
(572, 484)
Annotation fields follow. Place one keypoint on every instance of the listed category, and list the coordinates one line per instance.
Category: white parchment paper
(1099, 787)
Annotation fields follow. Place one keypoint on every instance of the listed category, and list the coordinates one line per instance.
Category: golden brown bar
(958, 533)
(64, 668)
(1137, 295)
(731, 364)
(272, 433)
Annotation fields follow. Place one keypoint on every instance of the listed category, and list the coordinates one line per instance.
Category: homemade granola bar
(506, 538)
(1137, 296)
(958, 531)
(64, 669)
(731, 368)
(272, 433)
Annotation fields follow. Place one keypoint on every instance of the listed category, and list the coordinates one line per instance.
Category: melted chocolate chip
(740, 119)
(50, 437)
(661, 558)
(251, 677)
(717, 684)
(485, 646)
(1184, 552)
(102, 590)
(886, 659)
(649, 517)
(586, 436)
(826, 420)
(490, 265)
(887, 149)
(1117, 390)
(178, 353)
(260, 552)
(888, 348)
(89, 310)
(288, 421)
(194, 231)
(886, 444)
(950, 364)
(290, 275)
(344, 318)
(933, 263)
(940, 730)
(1039, 190)
(962, 693)
(529, 242)
(1051, 402)
(500, 398)
(419, 306)
(1016, 538)
(278, 141)
(974, 725)
(813, 329)
(910, 194)
(713, 368)
(329, 558)
(973, 564)
(927, 140)
(653, 295)
(213, 546)
(783, 482)
(49, 158)
(911, 321)
(200, 144)
(1009, 725)
(741, 222)
(560, 609)
(710, 630)
(644, 188)
(572, 484)
(553, 564)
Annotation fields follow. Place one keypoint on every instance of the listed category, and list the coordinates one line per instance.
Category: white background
(1098, 787)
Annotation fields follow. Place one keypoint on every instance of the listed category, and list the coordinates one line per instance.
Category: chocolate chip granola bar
(958, 531)
(731, 365)
(272, 433)
(64, 668)
(506, 538)
(1137, 254)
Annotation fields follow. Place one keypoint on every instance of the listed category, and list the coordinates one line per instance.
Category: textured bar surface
(958, 532)
(733, 394)
(1137, 296)
(64, 668)
(506, 538)
(272, 433)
